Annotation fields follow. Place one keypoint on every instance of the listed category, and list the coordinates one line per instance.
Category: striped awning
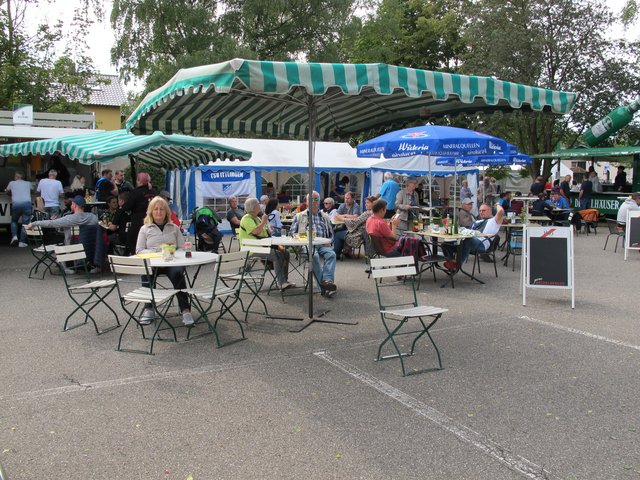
(276, 98)
(158, 149)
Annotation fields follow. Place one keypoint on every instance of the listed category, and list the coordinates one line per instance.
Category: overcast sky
(100, 39)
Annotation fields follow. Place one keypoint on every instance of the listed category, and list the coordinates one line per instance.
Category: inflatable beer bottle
(610, 124)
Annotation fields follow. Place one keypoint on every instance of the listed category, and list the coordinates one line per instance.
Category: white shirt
(50, 190)
(491, 228)
(628, 206)
(20, 191)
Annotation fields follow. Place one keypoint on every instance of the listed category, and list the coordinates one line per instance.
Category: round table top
(296, 242)
(198, 258)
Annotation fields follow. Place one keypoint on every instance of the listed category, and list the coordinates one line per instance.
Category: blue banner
(224, 184)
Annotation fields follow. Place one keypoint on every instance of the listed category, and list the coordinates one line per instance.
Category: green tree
(155, 38)
(413, 33)
(31, 68)
(558, 44)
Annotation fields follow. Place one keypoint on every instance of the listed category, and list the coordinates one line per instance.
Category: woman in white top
(158, 229)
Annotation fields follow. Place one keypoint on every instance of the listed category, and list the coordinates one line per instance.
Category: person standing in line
(51, 190)
(565, 187)
(584, 197)
(595, 181)
(407, 204)
(137, 204)
(105, 187)
(21, 208)
(388, 191)
(121, 184)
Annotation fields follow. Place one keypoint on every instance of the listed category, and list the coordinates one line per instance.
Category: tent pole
(455, 184)
(132, 162)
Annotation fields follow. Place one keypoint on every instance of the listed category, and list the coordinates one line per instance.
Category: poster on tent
(224, 184)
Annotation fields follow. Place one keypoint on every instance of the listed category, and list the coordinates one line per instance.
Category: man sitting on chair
(321, 225)
(632, 203)
(78, 217)
(487, 223)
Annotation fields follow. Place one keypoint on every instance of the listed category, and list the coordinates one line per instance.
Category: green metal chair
(612, 225)
(43, 253)
(82, 290)
(395, 315)
(228, 279)
(127, 271)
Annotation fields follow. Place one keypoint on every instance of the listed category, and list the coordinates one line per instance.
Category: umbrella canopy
(167, 151)
(323, 101)
(434, 141)
(347, 98)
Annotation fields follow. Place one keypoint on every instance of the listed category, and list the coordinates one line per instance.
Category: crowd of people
(139, 219)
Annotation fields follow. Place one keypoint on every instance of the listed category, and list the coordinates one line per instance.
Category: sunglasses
(316, 199)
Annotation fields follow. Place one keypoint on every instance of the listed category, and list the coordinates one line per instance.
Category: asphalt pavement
(541, 391)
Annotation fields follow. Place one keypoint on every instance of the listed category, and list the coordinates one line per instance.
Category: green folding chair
(82, 290)
(391, 275)
(43, 253)
(227, 280)
(127, 272)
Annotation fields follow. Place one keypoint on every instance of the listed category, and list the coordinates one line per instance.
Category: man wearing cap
(465, 217)
(174, 217)
(78, 217)
(51, 190)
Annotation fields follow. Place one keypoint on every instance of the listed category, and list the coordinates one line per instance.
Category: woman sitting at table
(158, 229)
(253, 225)
(356, 228)
(385, 238)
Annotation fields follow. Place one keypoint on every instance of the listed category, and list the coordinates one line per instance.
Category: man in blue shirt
(388, 192)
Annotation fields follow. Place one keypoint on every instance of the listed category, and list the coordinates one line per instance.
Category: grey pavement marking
(118, 382)
(580, 332)
(510, 460)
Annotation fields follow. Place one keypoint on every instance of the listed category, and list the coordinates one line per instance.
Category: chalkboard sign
(548, 259)
(632, 232)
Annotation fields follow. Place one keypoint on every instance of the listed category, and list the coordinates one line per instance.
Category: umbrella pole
(310, 279)
(430, 188)
(455, 184)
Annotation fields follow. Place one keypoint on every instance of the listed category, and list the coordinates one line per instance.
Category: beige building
(107, 96)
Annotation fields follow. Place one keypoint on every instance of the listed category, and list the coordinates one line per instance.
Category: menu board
(548, 253)
(632, 232)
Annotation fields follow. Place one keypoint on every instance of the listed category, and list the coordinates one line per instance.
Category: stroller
(206, 222)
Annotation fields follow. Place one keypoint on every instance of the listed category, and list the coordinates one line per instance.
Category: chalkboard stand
(632, 232)
(547, 259)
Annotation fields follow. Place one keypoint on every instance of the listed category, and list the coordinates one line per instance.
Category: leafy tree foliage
(32, 68)
(413, 33)
(154, 38)
(558, 44)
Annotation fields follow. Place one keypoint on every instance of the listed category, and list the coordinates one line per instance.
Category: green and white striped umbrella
(323, 101)
(167, 151)
(275, 98)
